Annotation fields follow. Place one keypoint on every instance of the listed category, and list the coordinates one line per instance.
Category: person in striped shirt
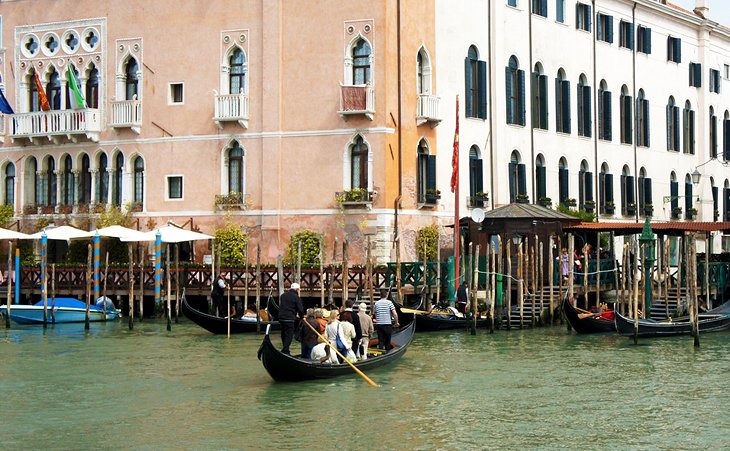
(385, 318)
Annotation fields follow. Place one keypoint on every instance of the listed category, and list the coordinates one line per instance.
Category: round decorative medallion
(136, 48)
(61, 62)
(98, 58)
(121, 48)
(350, 29)
(242, 38)
(80, 60)
(226, 39)
(40, 63)
(366, 28)
(22, 64)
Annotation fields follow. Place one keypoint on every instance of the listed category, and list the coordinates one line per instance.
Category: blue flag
(4, 105)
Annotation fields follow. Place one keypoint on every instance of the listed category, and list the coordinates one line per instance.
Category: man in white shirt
(385, 318)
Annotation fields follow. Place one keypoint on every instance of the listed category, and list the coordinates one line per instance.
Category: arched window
(118, 177)
(539, 98)
(564, 183)
(517, 179)
(676, 211)
(627, 121)
(541, 180)
(646, 206)
(605, 191)
(585, 187)
(361, 63)
(475, 82)
(562, 103)
(515, 92)
(672, 125)
(139, 180)
(102, 180)
(237, 74)
(628, 199)
(726, 136)
(715, 200)
(604, 112)
(53, 90)
(68, 194)
(131, 83)
(689, 211)
(10, 184)
(475, 172)
(359, 164)
(235, 168)
(85, 180)
(92, 88)
(688, 134)
(51, 182)
(726, 201)
(423, 73)
(584, 107)
(34, 102)
(426, 177)
(642, 120)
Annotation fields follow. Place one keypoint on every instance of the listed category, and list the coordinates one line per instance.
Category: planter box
(432, 199)
(609, 209)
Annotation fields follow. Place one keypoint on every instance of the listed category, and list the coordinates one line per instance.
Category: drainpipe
(532, 126)
(596, 188)
(396, 202)
(636, 119)
(491, 102)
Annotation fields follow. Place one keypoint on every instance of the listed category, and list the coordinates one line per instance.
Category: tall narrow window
(10, 184)
(426, 176)
(51, 182)
(92, 88)
(85, 180)
(672, 125)
(643, 39)
(604, 28)
(562, 103)
(604, 112)
(605, 191)
(475, 172)
(585, 188)
(674, 195)
(118, 176)
(102, 180)
(237, 74)
(131, 79)
(628, 200)
(560, 11)
(515, 92)
(53, 91)
(584, 108)
(583, 17)
(695, 75)
(627, 121)
(139, 180)
(726, 136)
(475, 71)
(626, 35)
(69, 186)
(688, 201)
(539, 98)
(713, 133)
(642, 121)
(235, 168)
(539, 7)
(715, 81)
(541, 180)
(361, 63)
(564, 183)
(517, 178)
(359, 164)
(688, 129)
(674, 49)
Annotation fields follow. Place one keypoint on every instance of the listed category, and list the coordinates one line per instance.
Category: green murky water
(186, 389)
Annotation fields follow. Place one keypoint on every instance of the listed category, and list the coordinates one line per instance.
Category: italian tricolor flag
(77, 100)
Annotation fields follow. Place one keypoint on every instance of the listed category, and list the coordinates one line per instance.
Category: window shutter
(589, 16)
(726, 213)
(698, 75)
(542, 85)
(431, 172)
(512, 181)
(607, 119)
(564, 189)
(628, 120)
(543, 8)
(726, 139)
(609, 32)
(630, 189)
(581, 123)
(715, 204)
(631, 35)
(601, 191)
(675, 126)
(588, 185)
(691, 74)
(478, 177)
(599, 111)
(609, 187)
(521, 179)
(687, 197)
(509, 95)
(713, 137)
(521, 96)
(587, 119)
(640, 196)
(482, 89)
(541, 178)
(647, 129)
(468, 105)
(581, 189)
(624, 195)
(678, 50)
(648, 198)
(599, 27)
(691, 132)
(674, 194)
(577, 15)
(535, 93)
(558, 106)
(670, 53)
(669, 127)
(566, 106)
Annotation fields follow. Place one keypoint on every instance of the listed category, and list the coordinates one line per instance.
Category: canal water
(111, 388)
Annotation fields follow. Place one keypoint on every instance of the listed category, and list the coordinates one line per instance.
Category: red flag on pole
(455, 158)
(42, 97)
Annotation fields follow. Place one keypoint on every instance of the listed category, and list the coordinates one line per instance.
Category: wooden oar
(334, 348)
(424, 312)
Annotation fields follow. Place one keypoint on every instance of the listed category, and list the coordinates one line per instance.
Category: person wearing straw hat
(367, 328)
(290, 306)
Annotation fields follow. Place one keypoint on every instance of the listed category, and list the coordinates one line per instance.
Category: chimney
(702, 8)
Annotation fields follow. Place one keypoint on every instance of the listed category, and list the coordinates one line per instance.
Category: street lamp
(516, 239)
(696, 177)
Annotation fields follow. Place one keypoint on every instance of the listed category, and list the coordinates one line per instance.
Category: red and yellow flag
(42, 97)
(455, 158)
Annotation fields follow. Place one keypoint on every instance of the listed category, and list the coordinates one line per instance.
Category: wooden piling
(246, 278)
(345, 272)
(130, 256)
(571, 267)
(598, 271)
(371, 291)
(280, 275)
(520, 282)
(88, 287)
(492, 287)
(636, 291)
(541, 276)
(424, 301)
(438, 269)
(169, 289)
(585, 276)
(53, 293)
(398, 270)
(508, 274)
(178, 302)
(140, 249)
(475, 289)
(103, 291)
(10, 283)
(321, 271)
(258, 288)
(299, 262)
(551, 282)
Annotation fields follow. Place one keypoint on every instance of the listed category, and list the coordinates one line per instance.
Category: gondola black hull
(586, 325)
(680, 326)
(286, 368)
(431, 323)
(218, 325)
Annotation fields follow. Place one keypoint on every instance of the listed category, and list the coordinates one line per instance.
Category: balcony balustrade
(55, 124)
(357, 100)
(231, 108)
(428, 110)
(126, 114)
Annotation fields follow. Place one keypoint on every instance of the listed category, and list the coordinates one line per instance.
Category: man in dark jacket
(290, 305)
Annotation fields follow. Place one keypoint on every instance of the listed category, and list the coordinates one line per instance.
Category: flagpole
(455, 190)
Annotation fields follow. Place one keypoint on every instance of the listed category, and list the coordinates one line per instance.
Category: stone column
(110, 183)
(76, 182)
(94, 174)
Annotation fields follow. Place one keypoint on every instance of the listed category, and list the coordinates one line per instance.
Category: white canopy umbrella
(6, 234)
(117, 231)
(62, 233)
(170, 234)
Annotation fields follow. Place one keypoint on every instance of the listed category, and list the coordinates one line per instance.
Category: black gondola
(707, 322)
(288, 368)
(586, 325)
(435, 322)
(218, 325)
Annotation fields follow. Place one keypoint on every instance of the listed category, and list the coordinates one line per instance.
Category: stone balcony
(428, 110)
(231, 108)
(357, 100)
(51, 127)
(126, 114)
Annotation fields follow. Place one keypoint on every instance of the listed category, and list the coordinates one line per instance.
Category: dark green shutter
(431, 172)
(512, 182)
(647, 122)
(628, 121)
(675, 125)
(647, 40)
(541, 179)
(482, 89)
(542, 85)
(566, 106)
(521, 96)
(478, 177)
(648, 197)
(521, 179)
(726, 139)
(687, 198)
(581, 123)
(601, 192)
(599, 111)
(609, 31)
(715, 202)
(640, 196)
(630, 198)
(631, 35)
(535, 99)
(609, 187)
(558, 106)
(588, 185)
(581, 189)
(564, 188)
(607, 120)
(713, 136)
(674, 194)
(509, 95)
(587, 110)
(726, 211)
(469, 104)
(624, 199)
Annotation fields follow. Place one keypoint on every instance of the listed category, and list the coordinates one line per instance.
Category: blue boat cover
(69, 303)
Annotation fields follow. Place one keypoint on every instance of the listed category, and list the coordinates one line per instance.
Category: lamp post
(647, 242)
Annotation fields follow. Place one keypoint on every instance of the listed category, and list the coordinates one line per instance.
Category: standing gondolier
(385, 318)
(290, 305)
(218, 294)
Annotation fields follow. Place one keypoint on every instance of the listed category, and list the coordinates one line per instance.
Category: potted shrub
(523, 198)
(676, 212)
(691, 213)
(65, 209)
(631, 209)
(609, 207)
(648, 209)
(355, 195)
(479, 199)
(230, 200)
(545, 202)
(30, 210)
(589, 205)
(432, 196)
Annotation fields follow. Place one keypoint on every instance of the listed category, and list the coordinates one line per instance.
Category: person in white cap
(366, 325)
(290, 306)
